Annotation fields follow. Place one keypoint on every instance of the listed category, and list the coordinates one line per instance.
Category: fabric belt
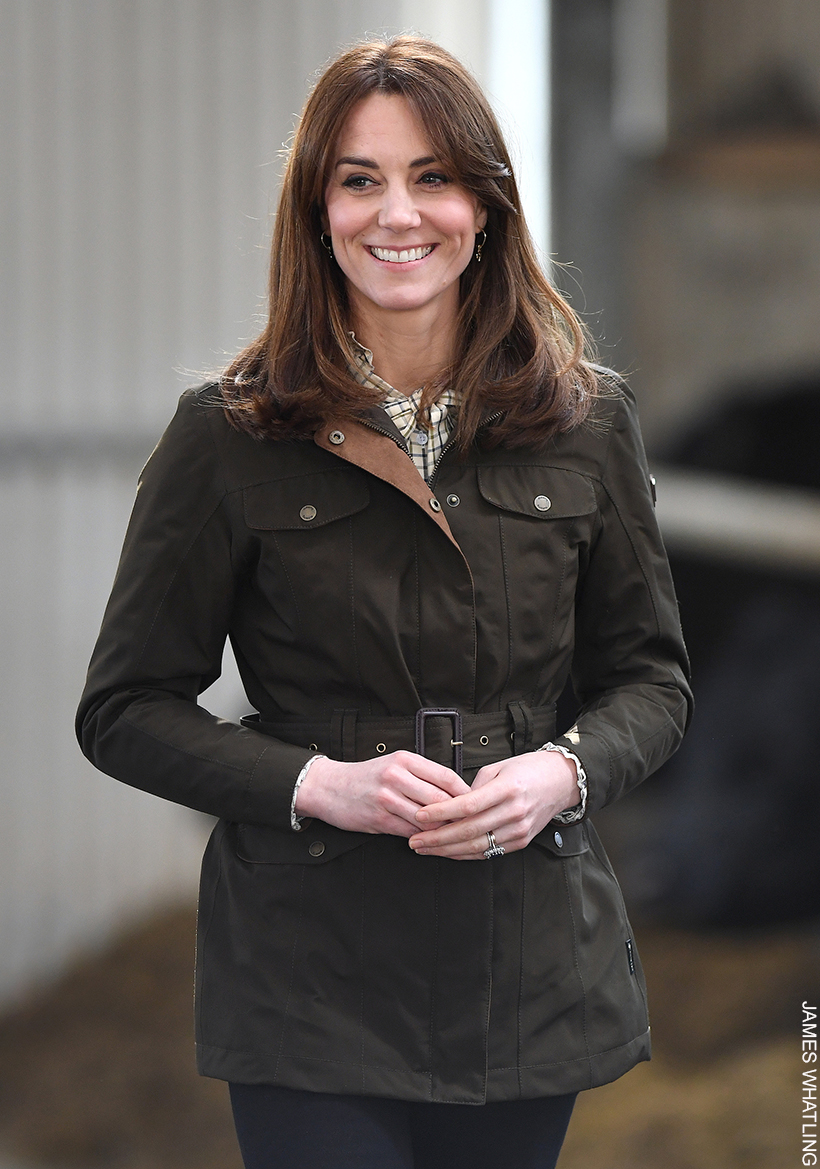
(350, 736)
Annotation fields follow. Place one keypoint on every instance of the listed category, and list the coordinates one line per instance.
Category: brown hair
(519, 347)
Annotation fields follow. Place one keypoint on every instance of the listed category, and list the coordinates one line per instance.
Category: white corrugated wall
(140, 142)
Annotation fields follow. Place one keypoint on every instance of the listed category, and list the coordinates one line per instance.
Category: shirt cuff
(297, 823)
(571, 814)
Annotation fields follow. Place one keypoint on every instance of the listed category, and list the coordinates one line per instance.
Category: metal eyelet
(380, 747)
(313, 747)
(483, 740)
(336, 437)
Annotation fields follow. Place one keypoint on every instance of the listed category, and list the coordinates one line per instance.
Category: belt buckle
(456, 742)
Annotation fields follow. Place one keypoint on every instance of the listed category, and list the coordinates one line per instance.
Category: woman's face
(403, 228)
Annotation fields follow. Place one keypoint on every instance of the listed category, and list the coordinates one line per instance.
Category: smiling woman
(416, 509)
(403, 231)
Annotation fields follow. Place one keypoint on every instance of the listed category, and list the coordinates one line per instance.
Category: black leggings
(282, 1128)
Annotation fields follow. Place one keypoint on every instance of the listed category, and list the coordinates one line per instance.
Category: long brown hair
(519, 347)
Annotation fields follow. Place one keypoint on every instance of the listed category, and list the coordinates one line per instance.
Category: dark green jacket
(354, 594)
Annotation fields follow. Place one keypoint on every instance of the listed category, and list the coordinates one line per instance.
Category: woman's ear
(481, 218)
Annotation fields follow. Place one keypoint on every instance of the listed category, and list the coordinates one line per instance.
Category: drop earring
(326, 243)
(480, 244)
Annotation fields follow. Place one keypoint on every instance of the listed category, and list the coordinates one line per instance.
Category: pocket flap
(545, 493)
(305, 501)
(315, 845)
(563, 839)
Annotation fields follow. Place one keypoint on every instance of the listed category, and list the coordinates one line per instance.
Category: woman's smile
(403, 227)
(405, 256)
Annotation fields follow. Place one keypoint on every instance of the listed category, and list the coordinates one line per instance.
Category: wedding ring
(494, 849)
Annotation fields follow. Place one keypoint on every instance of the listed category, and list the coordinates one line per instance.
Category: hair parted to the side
(519, 347)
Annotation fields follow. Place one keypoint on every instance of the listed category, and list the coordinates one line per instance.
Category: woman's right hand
(379, 795)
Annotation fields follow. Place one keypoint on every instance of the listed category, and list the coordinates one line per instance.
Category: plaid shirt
(424, 446)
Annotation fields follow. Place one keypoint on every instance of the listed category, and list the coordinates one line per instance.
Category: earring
(480, 244)
(326, 244)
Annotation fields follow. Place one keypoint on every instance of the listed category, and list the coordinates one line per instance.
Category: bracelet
(576, 813)
(297, 822)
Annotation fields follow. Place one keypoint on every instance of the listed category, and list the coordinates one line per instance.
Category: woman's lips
(405, 256)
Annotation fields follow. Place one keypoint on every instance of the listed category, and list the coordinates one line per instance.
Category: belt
(465, 742)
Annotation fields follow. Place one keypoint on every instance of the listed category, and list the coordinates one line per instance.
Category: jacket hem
(310, 1075)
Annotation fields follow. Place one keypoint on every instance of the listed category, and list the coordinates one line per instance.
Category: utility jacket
(355, 594)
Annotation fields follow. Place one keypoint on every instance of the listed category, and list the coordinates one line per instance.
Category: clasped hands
(405, 794)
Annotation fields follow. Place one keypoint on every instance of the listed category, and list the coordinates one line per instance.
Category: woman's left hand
(514, 799)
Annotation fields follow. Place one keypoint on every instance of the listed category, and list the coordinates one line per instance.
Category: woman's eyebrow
(351, 160)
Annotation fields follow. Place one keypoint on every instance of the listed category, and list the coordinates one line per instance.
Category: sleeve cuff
(571, 814)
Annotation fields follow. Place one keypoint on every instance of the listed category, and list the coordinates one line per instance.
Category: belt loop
(343, 735)
(521, 716)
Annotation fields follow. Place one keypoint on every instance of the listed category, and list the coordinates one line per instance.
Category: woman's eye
(357, 182)
(433, 179)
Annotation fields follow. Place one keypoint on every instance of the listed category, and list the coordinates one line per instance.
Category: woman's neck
(407, 353)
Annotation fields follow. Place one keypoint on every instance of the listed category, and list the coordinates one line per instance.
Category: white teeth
(403, 257)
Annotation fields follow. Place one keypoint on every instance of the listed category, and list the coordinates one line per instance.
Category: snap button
(316, 848)
(483, 740)
(308, 512)
(380, 747)
(313, 747)
(559, 840)
(543, 502)
(435, 505)
(336, 437)
(453, 500)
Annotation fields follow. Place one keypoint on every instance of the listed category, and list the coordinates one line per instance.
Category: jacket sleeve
(162, 640)
(630, 669)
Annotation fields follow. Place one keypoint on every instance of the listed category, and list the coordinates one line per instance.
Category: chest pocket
(305, 502)
(542, 493)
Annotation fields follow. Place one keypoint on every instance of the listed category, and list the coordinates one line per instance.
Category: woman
(403, 626)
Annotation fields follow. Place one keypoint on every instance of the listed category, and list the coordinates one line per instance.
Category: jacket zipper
(380, 430)
(451, 443)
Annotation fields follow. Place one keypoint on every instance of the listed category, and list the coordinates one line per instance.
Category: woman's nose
(398, 210)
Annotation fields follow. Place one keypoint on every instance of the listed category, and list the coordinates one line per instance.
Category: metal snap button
(313, 747)
(483, 740)
(543, 502)
(559, 840)
(308, 512)
(316, 848)
(435, 505)
(336, 437)
(380, 747)
(453, 500)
